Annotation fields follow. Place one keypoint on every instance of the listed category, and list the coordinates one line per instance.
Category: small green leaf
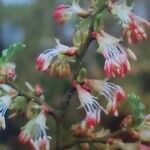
(137, 108)
(19, 103)
(9, 52)
(100, 2)
(129, 2)
(82, 75)
(2, 93)
(81, 32)
(98, 22)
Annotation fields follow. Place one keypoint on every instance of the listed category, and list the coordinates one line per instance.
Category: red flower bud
(38, 89)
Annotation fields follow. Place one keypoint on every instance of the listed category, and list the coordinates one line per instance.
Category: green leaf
(82, 75)
(2, 93)
(100, 2)
(98, 22)
(129, 2)
(137, 108)
(19, 103)
(81, 32)
(9, 52)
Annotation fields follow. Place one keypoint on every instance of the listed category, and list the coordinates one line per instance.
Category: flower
(83, 131)
(132, 24)
(90, 105)
(62, 13)
(34, 132)
(8, 70)
(5, 102)
(113, 93)
(116, 55)
(55, 61)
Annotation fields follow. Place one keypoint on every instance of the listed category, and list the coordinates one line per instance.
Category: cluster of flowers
(116, 56)
(88, 93)
(56, 61)
(34, 132)
(7, 73)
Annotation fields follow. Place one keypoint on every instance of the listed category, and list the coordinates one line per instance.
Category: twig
(94, 140)
(83, 49)
(64, 102)
(30, 97)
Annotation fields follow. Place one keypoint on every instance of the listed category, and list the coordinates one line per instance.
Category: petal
(131, 55)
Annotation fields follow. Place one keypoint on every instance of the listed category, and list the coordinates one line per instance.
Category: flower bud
(85, 146)
(38, 90)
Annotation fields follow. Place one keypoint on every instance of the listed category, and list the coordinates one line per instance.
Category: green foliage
(19, 103)
(100, 2)
(137, 108)
(9, 52)
(82, 75)
(1, 93)
(81, 33)
(129, 2)
(98, 22)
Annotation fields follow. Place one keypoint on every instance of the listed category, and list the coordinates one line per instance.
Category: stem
(21, 92)
(83, 49)
(30, 97)
(94, 140)
(58, 134)
(61, 109)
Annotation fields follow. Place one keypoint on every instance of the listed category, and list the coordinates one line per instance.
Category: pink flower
(38, 89)
(34, 132)
(132, 24)
(8, 70)
(62, 13)
(55, 61)
(116, 55)
(11, 74)
(90, 105)
(143, 147)
(134, 31)
(113, 93)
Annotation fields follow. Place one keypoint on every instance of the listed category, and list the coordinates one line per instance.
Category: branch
(83, 49)
(94, 140)
(64, 102)
(30, 97)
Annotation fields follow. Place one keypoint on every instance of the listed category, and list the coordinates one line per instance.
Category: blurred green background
(30, 21)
